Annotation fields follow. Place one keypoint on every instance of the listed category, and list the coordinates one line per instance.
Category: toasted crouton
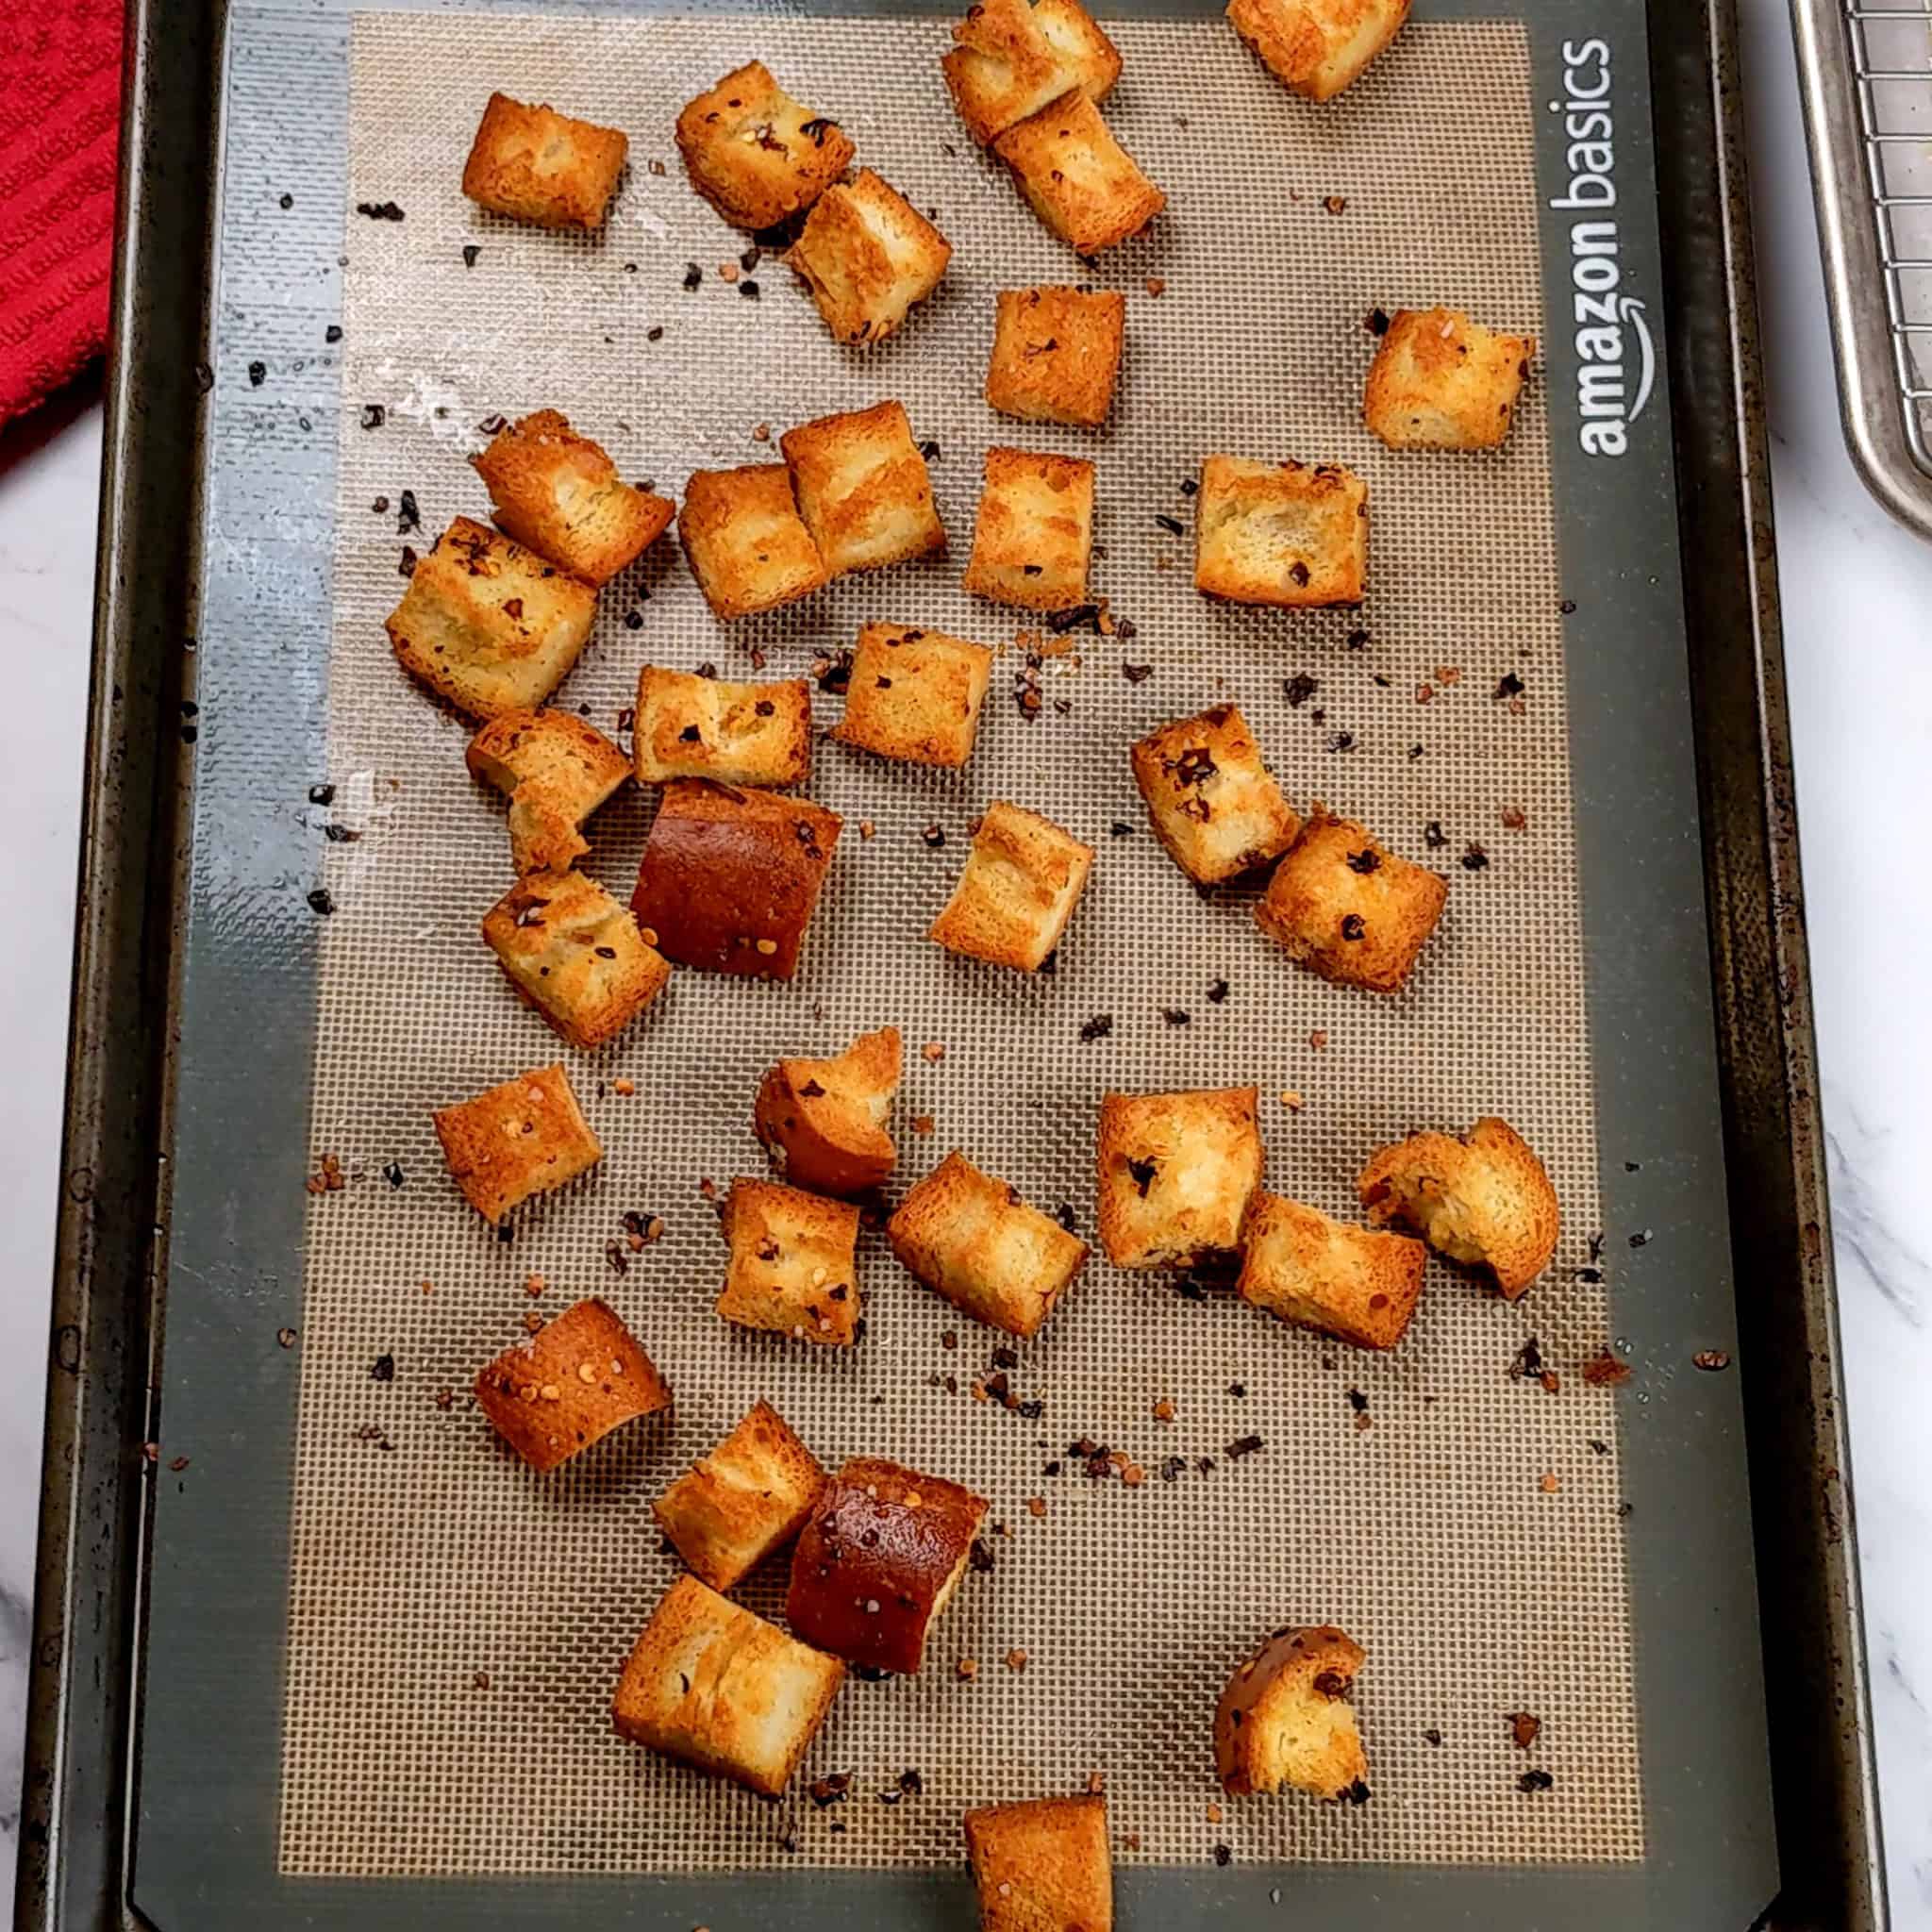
(1345, 905)
(558, 769)
(972, 1239)
(1484, 1200)
(1441, 381)
(754, 153)
(1076, 177)
(1012, 57)
(868, 256)
(569, 1385)
(1056, 354)
(527, 1137)
(537, 165)
(748, 546)
(1352, 1283)
(1292, 535)
(1018, 889)
(862, 489)
(1177, 1173)
(824, 1122)
(1285, 1718)
(689, 727)
(1034, 534)
(1043, 1866)
(716, 1687)
(1215, 806)
(792, 1263)
(559, 493)
(748, 1497)
(1318, 46)
(914, 694)
(488, 624)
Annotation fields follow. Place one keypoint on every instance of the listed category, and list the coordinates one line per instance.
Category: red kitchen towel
(60, 128)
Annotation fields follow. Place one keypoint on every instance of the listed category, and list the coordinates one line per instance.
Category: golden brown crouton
(754, 153)
(1215, 806)
(868, 256)
(824, 1122)
(689, 727)
(1318, 46)
(527, 1137)
(748, 1497)
(1012, 57)
(1056, 354)
(1345, 905)
(1078, 177)
(792, 1263)
(1177, 1173)
(973, 1241)
(716, 1687)
(1484, 1200)
(574, 955)
(862, 489)
(1034, 534)
(1441, 381)
(558, 769)
(569, 1385)
(559, 493)
(1018, 889)
(914, 694)
(541, 166)
(1286, 534)
(1285, 1718)
(748, 546)
(1043, 1866)
(488, 624)
(1349, 1282)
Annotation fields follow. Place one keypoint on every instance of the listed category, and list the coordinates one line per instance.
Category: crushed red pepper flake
(1711, 1360)
(1524, 1728)
(1016, 1659)
(1606, 1369)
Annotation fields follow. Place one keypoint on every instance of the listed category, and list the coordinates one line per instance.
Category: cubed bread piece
(748, 546)
(558, 769)
(1078, 179)
(558, 493)
(1056, 354)
(972, 1239)
(729, 877)
(1018, 888)
(569, 1385)
(1352, 1283)
(537, 165)
(1294, 535)
(1034, 534)
(1318, 46)
(574, 955)
(878, 1560)
(914, 694)
(1011, 58)
(862, 489)
(824, 1122)
(748, 1497)
(1285, 1718)
(868, 256)
(689, 727)
(488, 624)
(714, 1686)
(1484, 1200)
(1441, 381)
(754, 153)
(527, 1137)
(1177, 1173)
(792, 1263)
(1044, 1866)
(1345, 906)
(1215, 806)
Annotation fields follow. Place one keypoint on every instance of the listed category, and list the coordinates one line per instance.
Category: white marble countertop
(1855, 589)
